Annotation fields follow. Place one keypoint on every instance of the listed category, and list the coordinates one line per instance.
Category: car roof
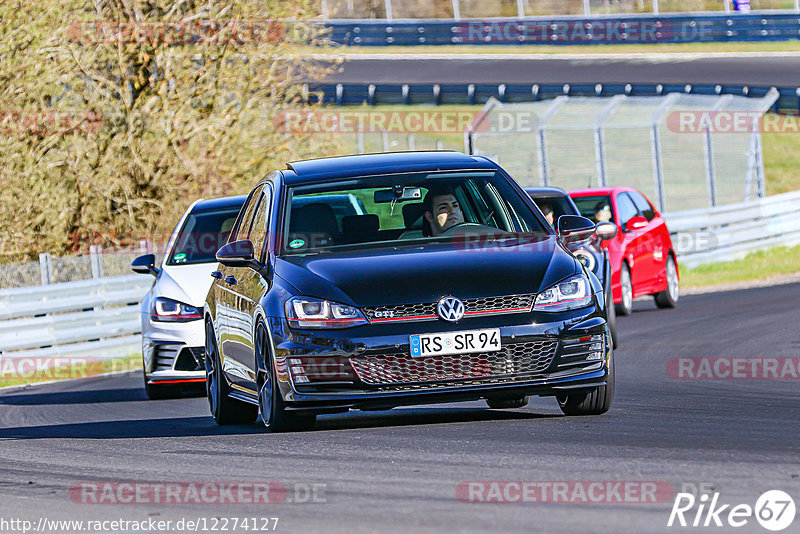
(323, 169)
(600, 191)
(538, 192)
(218, 203)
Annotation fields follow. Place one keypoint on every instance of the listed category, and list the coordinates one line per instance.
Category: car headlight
(304, 312)
(586, 258)
(172, 311)
(570, 294)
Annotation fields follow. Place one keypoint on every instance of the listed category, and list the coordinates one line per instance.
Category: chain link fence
(462, 9)
(683, 151)
(98, 263)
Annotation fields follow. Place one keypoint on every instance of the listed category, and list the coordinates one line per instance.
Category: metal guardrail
(730, 232)
(570, 30)
(473, 94)
(91, 318)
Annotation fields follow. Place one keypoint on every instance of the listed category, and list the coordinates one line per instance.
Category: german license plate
(444, 343)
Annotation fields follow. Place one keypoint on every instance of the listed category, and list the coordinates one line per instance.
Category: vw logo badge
(450, 309)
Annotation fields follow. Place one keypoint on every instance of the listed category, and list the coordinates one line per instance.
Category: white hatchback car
(173, 336)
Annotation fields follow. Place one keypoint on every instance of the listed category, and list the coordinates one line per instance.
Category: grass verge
(756, 266)
(24, 371)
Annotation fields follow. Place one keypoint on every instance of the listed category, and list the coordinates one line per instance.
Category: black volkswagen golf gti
(446, 284)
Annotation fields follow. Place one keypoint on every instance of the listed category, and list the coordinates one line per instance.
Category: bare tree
(116, 114)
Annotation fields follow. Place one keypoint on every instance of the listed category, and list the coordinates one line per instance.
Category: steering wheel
(463, 225)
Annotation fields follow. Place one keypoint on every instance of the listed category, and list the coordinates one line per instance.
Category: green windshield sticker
(297, 243)
(180, 257)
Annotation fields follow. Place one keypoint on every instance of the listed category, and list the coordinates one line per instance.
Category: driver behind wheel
(441, 210)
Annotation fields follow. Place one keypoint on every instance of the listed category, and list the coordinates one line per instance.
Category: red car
(641, 254)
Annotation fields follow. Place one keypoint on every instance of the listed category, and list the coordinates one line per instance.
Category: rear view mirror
(145, 265)
(397, 194)
(605, 230)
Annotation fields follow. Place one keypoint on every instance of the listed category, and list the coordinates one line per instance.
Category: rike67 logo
(774, 510)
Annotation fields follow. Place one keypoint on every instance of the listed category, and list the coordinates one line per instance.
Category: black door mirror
(236, 254)
(240, 254)
(145, 265)
(574, 227)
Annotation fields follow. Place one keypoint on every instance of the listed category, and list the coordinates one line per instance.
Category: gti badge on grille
(450, 309)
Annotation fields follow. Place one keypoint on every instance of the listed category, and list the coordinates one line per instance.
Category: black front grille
(427, 311)
(191, 359)
(514, 361)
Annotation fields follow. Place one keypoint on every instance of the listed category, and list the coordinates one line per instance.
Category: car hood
(185, 283)
(412, 274)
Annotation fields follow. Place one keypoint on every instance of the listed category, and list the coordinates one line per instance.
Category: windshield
(554, 207)
(597, 208)
(202, 234)
(385, 210)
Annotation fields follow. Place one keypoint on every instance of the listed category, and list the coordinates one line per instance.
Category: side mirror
(575, 227)
(605, 230)
(236, 254)
(240, 254)
(145, 265)
(634, 223)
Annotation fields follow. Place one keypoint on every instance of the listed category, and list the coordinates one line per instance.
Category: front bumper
(338, 383)
(173, 353)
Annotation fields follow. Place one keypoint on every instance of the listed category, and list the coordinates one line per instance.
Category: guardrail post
(708, 152)
(388, 4)
(587, 8)
(520, 8)
(655, 7)
(412, 145)
(541, 140)
(324, 9)
(360, 141)
(456, 9)
(96, 260)
(797, 5)
(727, 5)
(385, 138)
(46, 267)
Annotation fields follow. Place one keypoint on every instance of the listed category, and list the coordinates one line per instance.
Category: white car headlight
(304, 312)
(573, 293)
(171, 311)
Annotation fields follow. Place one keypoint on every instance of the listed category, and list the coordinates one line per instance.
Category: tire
(226, 411)
(626, 287)
(499, 403)
(669, 297)
(271, 406)
(594, 402)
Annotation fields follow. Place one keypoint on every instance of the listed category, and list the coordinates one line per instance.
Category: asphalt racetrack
(399, 470)
(780, 70)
